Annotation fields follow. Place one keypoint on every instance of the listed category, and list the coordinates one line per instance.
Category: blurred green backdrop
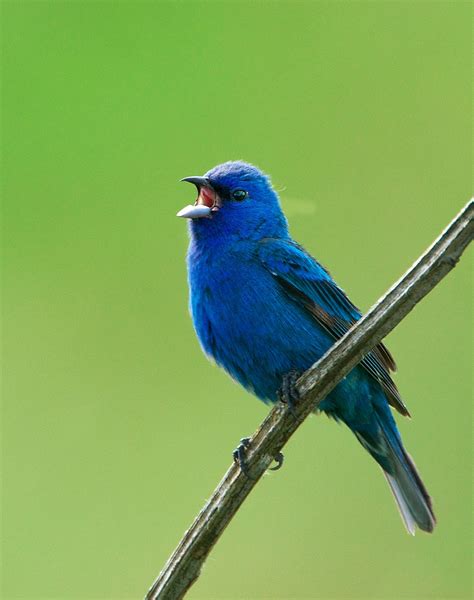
(115, 428)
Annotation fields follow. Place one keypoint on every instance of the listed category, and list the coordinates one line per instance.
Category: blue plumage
(263, 307)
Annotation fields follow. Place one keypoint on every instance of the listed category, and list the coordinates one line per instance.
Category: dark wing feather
(306, 281)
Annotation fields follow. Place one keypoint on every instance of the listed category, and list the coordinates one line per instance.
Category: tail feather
(403, 507)
(409, 491)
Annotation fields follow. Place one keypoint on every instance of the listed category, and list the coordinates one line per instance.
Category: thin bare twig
(184, 565)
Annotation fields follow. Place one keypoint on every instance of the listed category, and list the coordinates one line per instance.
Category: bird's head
(234, 199)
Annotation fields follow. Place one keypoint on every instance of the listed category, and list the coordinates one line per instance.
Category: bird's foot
(239, 457)
(288, 393)
(279, 458)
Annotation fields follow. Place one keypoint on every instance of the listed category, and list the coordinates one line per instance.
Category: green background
(115, 427)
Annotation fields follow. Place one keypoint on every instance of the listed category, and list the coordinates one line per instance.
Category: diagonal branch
(184, 565)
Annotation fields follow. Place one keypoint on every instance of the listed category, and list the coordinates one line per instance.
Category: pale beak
(206, 203)
(194, 211)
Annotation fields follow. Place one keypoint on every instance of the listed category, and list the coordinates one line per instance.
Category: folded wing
(309, 284)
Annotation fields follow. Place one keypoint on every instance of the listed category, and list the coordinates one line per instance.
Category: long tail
(409, 491)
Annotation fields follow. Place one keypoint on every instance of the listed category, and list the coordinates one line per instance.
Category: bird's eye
(239, 195)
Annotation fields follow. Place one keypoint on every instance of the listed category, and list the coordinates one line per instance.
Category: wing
(307, 282)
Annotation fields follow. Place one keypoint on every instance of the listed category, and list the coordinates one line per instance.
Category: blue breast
(250, 327)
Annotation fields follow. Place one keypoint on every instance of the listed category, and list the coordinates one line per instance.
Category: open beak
(206, 203)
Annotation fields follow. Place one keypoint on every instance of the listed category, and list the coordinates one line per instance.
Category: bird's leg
(239, 457)
(288, 393)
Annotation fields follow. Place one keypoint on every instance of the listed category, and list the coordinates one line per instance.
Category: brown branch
(184, 565)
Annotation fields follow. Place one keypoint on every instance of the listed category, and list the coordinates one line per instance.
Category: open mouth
(207, 202)
(208, 197)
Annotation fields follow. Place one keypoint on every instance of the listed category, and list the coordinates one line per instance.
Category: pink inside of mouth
(206, 197)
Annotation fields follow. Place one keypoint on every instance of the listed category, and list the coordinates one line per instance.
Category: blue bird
(265, 310)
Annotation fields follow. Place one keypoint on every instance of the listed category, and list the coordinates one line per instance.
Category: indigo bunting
(264, 310)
